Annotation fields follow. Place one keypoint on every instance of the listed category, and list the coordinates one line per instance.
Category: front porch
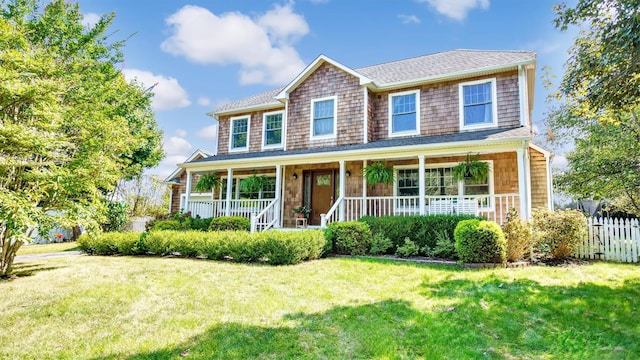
(337, 191)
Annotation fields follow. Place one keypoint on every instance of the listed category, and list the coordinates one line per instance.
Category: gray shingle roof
(443, 64)
(265, 98)
(434, 65)
(493, 134)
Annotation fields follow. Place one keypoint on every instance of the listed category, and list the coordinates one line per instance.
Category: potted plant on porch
(302, 211)
(253, 184)
(472, 170)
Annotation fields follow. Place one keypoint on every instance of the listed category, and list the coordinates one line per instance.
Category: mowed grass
(338, 308)
(47, 248)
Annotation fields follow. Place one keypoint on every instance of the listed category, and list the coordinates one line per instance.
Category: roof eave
(245, 109)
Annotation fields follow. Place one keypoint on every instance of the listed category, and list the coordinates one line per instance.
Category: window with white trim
(407, 182)
(323, 117)
(404, 113)
(239, 134)
(439, 181)
(272, 133)
(268, 190)
(478, 108)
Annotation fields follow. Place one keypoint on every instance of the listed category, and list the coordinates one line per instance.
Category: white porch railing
(331, 215)
(493, 207)
(217, 208)
(266, 218)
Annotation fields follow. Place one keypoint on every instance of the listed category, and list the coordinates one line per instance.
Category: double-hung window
(273, 123)
(404, 113)
(323, 117)
(478, 108)
(239, 134)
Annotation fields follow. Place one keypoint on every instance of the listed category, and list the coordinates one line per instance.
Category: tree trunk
(8, 253)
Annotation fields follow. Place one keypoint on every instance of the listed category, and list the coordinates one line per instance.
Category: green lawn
(152, 308)
(47, 248)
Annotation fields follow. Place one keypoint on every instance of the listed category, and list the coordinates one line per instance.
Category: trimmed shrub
(225, 223)
(165, 225)
(445, 247)
(125, 243)
(561, 232)
(379, 244)
(349, 238)
(518, 235)
(408, 249)
(272, 247)
(422, 230)
(480, 241)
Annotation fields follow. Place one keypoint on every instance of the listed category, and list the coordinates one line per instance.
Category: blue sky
(205, 53)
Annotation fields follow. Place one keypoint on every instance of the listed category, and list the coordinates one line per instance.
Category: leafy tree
(70, 125)
(145, 195)
(598, 99)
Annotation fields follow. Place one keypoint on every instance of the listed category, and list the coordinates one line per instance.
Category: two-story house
(421, 116)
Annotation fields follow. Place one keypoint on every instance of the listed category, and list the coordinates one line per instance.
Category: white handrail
(326, 218)
(265, 213)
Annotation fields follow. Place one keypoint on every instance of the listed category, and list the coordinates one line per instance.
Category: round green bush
(225, 223)
(480, 241)
(166, 225)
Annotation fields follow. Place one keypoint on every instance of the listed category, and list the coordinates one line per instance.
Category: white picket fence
(612, 239)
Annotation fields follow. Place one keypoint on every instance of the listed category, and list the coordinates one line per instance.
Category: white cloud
(456, 9)
(204, 101)
(210, 132)
(176, 146)
(560, 161)
(90, 19)
(409, 19)
(262, 45)
(168, 165)
(168, 94)
(181, 133)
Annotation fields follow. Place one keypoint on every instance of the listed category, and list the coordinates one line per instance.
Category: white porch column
(343, 180)
(421, 180)
(522, 183)
(278, 195)
(188, 194)
(364, 189)
(227, 207)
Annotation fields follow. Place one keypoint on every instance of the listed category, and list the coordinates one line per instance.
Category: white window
(439, 182)
(239, 134)
(268, 190)
(478, 105)
(404, 113)
(272, 125)
(323, 117)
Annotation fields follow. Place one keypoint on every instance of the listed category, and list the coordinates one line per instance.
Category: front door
(322, 193)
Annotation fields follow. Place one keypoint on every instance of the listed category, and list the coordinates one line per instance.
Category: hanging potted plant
(378, 173)
(253, 184)
(472, 170)
(208, 182)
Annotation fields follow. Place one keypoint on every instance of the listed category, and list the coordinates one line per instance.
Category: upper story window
(404, 113)
(272, 124)
(323, 117)
(478, 108)
(239, 134)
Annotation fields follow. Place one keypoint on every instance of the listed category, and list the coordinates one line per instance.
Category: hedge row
(424, 231)
(271, 247)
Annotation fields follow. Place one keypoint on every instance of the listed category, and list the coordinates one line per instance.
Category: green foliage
(518, 235)
(208, 182)
(378, 173)
(423, 230)
(253, 184)
(116, 216)
(445, 247)
(125, 243)
(271, 247)
(349, 238)
(230, 223)
(408, 249)
(472, 170)
(480, 241)
(560, 232)
(71, 125)
(380, 244)
(166, 225)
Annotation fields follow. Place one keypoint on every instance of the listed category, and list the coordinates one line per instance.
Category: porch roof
(492, 135)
